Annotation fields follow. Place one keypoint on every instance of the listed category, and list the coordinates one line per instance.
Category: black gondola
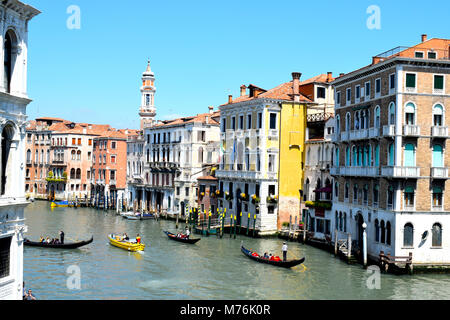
(284, 264)
(174, 237)
(73, 245)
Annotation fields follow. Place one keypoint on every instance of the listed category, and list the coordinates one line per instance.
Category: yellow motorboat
(117, 241)
(60, 204)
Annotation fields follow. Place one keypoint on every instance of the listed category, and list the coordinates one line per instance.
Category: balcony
(344, 135)
(359, 171)
(273, 134)
(389, 130)
(374, 132)
(439, 132)
(411, 130)
(359, 134)
(334, 171)
(400, 172)
(439, 173)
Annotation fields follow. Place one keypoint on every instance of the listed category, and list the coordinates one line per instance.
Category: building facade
(391, 157)
(262, 138)
(15, 17)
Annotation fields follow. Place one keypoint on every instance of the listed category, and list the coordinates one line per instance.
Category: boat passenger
(266, 256)
(271, 258)
(138, 238)
(48, 240)
(255, 254)
(125, 237)
(41, 239)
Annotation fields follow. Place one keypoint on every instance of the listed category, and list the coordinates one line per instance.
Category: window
(113, 159)
(408, 235)
(113, 145)
(346, 189)
(418, 54)
(112, 175)
(10, 54)
(90, 142)
(338, 98)
(321, 92)
(390, 198)
(367, 90)
(438, 112)
(358, 92)
(410, 81)
(260, 120)
(378, 87)
(410, 111)
(392, 81)
(241, 122)
(377, 231)
(409, 197)
(224, 124)
(437, 198)
(391, 113)
(273, 121)
(348, 95)
(377, 117)
(375, 195)
(432, 55)
(5, 247)
(79, 141)
(409, 155)
(355, 193)
(436, 235)
(438, 83)
(186, 191)
(249, 121)
(438, 156)
(74, 141)
(233, 123)
(388, 233)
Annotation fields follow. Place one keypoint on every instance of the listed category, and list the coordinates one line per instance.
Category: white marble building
(14, 19)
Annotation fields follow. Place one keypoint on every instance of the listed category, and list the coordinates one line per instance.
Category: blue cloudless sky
(202, 51)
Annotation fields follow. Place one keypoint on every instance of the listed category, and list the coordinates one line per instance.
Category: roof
(284, 91)
(205, 118)
(435, 44)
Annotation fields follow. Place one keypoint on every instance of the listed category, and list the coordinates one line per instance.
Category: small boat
(284, 264)
(147, 216)
(128, 214)
(129, 245)
(73, 245)
(135, 217)
(62, 204)
(174, 237)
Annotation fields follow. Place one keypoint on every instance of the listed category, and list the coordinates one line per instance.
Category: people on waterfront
(61, 237)
(138, 238)
(284, 248)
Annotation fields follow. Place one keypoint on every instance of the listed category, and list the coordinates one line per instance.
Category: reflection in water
(211, 269)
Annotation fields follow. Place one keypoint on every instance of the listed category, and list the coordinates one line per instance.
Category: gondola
(284, 264)
(73, 245)
(174, 237)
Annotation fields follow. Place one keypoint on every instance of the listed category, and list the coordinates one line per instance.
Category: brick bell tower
(147, 111)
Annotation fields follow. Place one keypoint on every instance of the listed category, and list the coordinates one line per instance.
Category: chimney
(296, 85)
(329, 76)
(341, 74)
(211, 109)
(243, 89)
(230, 99)
(424, 37)
(376, 60)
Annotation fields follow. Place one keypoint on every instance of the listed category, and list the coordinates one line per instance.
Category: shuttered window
(5, 248)
(410, 80)
(439, 82)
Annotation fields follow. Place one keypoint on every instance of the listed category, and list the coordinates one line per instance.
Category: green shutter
(439, 82)
(437, 190)
(410, 80)
(409, 190)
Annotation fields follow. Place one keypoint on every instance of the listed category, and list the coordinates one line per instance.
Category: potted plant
(272, 199)
(244, 196)
(255, 199)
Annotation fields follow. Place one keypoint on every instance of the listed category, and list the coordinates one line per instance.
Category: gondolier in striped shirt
(284, 248)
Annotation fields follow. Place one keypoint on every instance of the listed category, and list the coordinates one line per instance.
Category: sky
(202, 51)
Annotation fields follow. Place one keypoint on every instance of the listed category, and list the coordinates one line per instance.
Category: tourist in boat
(138, 238)
(61, 237)
(271, 257)
(125, 237)
(266, 256)
(284, 248)
(41, 239)
(48, 240)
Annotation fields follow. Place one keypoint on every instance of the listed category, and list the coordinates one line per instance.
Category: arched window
(7, 136)
(438, 156)
(347, 156)
(348, 119)
(340, 222)
(383, 231)
(10, 55)
(306, 194)
(392, 113)
(336, 220)
(377, 231)
(336, 158)
(355, 156)
(408, 235)
(388, 233)
(28, 156)
(436, 235)
(438, 115)
(409, 155)
(377, 117)
(72, 173)
(73, 154)
(345, 221)
(336, 189)
(338, 125)
(410, 111)
(391, 155)
(78, 174)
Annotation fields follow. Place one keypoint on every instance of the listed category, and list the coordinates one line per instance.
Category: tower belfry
(147, 111)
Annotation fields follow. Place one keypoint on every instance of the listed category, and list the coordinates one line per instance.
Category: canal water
(211, 269)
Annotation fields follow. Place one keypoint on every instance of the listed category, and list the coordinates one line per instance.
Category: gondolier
(187, 232)
(284, 248)
(61, 237)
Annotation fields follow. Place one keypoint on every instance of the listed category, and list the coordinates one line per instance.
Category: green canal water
(211, 269)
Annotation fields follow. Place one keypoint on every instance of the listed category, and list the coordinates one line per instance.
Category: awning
(326, 189)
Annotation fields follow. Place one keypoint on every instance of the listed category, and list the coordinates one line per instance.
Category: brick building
(391, 157)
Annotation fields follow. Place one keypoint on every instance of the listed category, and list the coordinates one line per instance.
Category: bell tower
(147, 111)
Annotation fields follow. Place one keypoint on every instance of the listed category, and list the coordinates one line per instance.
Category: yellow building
(261, 170)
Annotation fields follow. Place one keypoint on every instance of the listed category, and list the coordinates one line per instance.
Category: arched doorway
(359, 229)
